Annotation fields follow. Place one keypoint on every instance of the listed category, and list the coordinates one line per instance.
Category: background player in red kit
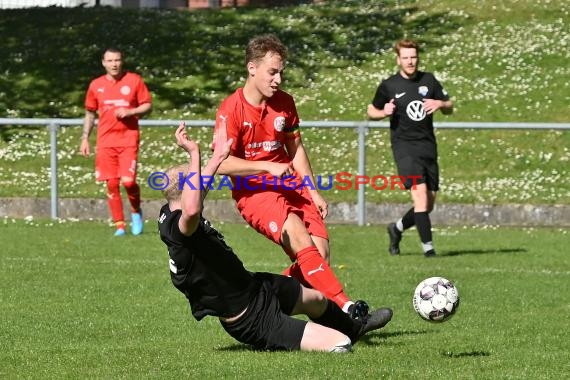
(120, 98)
(267, 150)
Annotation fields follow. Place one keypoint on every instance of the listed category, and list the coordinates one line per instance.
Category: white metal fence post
(362, 131)
(53, 128)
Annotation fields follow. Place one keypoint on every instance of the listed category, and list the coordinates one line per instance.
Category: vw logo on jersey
(423, 90)
(415, 110)
(125, 90)
(279, 123)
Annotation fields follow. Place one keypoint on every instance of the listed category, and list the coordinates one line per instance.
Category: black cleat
(395, 238)
(358, 310)
(375, 320)
(430, 253)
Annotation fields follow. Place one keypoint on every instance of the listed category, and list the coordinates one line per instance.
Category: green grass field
(77, 303)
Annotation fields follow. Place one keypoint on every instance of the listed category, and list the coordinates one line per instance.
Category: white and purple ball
(436, 299)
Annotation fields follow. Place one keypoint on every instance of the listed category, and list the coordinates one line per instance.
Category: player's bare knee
(128, 181)
(318, 299)
(295, 236)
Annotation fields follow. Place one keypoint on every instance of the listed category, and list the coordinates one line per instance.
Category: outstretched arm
(191, 200)
(234, 165)
(240, 167)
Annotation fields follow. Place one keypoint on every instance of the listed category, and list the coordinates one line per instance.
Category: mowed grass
(77, 303)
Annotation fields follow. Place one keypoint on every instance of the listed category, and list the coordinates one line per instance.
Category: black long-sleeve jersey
(205, 268)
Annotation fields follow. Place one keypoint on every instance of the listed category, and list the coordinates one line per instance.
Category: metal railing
(362, 127)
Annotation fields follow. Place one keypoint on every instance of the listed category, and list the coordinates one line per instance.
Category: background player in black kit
(254, 308)
(410, 98)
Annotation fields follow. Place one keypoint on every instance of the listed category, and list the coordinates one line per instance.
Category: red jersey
(260, 132)
(105, 95)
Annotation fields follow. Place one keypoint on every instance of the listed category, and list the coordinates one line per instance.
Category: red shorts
(116, 162)
(266, 211)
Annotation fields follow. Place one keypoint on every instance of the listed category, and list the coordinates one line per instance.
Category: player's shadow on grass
(241, 348)
(236, 348)
(373, 337)
(482, 251)
(465, 354)
(370, 339)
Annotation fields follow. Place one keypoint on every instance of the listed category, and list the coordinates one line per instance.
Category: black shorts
(266, 324)
(417, 170)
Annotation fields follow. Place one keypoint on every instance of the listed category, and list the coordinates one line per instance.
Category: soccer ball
(436, 299)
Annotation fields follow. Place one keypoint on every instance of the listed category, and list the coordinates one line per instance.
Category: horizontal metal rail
(316, 124)
(362, 127)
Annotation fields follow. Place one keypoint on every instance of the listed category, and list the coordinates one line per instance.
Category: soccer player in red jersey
(120, 98)
(267, 164)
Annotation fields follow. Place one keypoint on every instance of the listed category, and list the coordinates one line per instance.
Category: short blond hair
(173, 191)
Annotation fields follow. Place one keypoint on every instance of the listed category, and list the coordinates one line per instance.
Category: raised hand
(184, 141)
(222, 145)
